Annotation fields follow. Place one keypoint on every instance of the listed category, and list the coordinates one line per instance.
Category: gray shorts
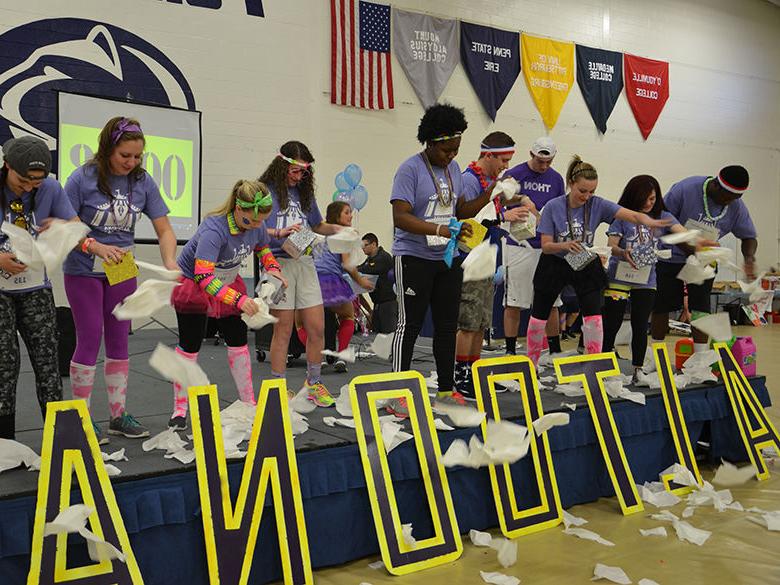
(303, 290)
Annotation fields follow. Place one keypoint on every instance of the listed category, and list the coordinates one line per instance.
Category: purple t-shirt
(215, 242)
(281, 219)
(326, 262)
(413, 183)
(554, 220)
(540, 187)
(50, 201)
(632, 235)
(112, 220)
(685, 200)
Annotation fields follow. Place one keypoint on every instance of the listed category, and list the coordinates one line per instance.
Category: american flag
(361, 75)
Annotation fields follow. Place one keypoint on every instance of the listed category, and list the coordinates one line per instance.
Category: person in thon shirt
(714, 206)
(539, 181)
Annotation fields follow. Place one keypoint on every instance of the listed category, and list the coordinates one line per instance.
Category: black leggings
(192, 330)
(554, 273)
(421, 284)
(642, 300)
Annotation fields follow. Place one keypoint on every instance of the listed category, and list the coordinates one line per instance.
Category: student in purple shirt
(714, 206)
(567, 226)
(109, 193)
(29, 200)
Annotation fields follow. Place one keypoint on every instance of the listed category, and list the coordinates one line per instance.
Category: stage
(159, 498)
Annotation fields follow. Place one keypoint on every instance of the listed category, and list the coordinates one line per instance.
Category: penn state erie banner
(647, 89)
(600, 77)
(548, 68)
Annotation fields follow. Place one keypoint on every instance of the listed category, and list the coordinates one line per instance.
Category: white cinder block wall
(261, 81)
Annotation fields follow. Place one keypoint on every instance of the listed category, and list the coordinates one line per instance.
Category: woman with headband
(212, 286)
(290, 178)
(109, 193)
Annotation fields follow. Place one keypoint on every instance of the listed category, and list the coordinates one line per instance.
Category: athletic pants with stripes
(421, 284)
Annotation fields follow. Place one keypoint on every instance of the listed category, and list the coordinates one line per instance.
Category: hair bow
(261, 200)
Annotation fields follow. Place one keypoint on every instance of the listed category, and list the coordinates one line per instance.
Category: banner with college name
(600, 77)
(548, 68)
(492, 63)
(647, 89)
(427, 50)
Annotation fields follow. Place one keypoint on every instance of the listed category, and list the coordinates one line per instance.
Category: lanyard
(439, 194)
(707, 205)
(586, 216)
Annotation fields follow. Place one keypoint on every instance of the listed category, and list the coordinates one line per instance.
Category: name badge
(707, 231)
(24, 280)
(625, 273)
(441, 219)
(227, 275)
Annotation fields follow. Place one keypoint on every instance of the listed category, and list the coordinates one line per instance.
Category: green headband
(261, 200)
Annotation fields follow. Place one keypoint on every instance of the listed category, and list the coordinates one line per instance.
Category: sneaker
(319, 394)
(398, 408)
(178, 423)
(102, 439)
(454, 398)
(340, 366)
(128, 426)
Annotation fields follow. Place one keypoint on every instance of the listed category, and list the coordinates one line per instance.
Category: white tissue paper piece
(406, 533)
(151, 296)
(506, 443)
(432, 382)
(393, 435)
(55, 243)
(260, 319)
(506, 551)
(681, 237)
(647, 582)
(480, 264)
(614, 574)
(441, 425)
(569, 405)
(694, 272)
(488, 212)
(461, 416)
(730, 475)
(508, 187)
(376, 565)
(332, 421)
(168, 440)
(185, 456)
(604, 251)
(586, 534)
(348, 355)
(382, 345)
(498, 578)
(546, 422)
(754, 288)
(657, 531)
(719, 255)
(664, 254)
(343, 403)
(769, 520)
(342, 242)
(23, 245)
(13, 454)
(614, 387)
(682, 475)
(112, 470)
(115, 456)
(300, 403)
(697, 368)
(299, 423)
(172, 366)
(480, 538)
(570, 520)
(707, 495)
(717, 326)
(684, 530)
(660, 498)
(73, 520)
(571, 390)
(688, 512)
(164, 273)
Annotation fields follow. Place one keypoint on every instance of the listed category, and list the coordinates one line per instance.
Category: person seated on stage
(290, 178)
(541, 183)
(337, 293)
(29, 199)
(109, 193)
(384, 315)
(714, 206)
(212, 285)
(567, 227)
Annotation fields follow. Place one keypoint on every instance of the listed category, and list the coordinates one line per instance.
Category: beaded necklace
(707, 206)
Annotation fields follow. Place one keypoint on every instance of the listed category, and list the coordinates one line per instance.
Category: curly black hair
(441, 120)
(275, 175)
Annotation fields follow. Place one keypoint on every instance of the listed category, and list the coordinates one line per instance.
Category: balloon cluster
(349, 189)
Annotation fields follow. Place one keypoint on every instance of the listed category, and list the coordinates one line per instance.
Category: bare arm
(749, 247)
(551, 247)
(326, 229)
(167, 239)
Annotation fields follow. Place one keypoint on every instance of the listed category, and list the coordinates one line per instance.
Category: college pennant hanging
(548, 68)
(427, 50)
(647, 89)
(490, 58)
(600, 77)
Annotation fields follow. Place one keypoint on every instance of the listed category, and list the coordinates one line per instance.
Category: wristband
(438, 227)
(86, 244)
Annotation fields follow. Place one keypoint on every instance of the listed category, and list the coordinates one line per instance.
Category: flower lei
(477, 170)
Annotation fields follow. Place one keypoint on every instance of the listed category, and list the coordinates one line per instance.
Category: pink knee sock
(82, 378)
(593, 333)
(241, 369)
(346, 329)
(115, 373)
(180, 392)
(302, 335)
(535, 338)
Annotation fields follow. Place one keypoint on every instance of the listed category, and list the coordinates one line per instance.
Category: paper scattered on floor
(569, 405)
(461, 416)
(717, 326)
(112, 470)
(172, 366)
(697, 368)
(150, 296)
(168, 440)
(614, 574)
(498, 578)
(656, 494)
(13, 454)
(480, 538)
(376, 565)
(393, 435)
(570, 390)
(586, 534)
(506, 443)
(382, 345)
(73, 520)
(332, 421)
(769, 520)
(688, 512)
(406, 533)
(343, 403)
(647, 582)
(657, 531)
(347, 355)
(164, 273)
(681, 475)
(300, 403)
(730, 475)
(115, 456)
(299, 423)
(548, 421)
(570, 520)
(685, 531)
(615, 388)
(506, 551)
(480, 264)
(707, 495)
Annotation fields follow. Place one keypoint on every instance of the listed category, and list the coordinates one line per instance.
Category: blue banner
(600, 77)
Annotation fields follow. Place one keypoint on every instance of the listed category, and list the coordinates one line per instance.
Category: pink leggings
(91, 301)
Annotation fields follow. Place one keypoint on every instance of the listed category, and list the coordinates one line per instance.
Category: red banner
(647, 89)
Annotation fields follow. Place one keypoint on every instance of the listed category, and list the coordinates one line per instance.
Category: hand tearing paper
(164, 273)
(260, 319)
(480, 264)
(57, 241)
(151, 296)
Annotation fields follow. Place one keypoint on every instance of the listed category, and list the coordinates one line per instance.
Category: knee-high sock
(82, 378)
(344, 335)
(241, 370)
(536, 338)
(593, 333)
(302, 335)
(180, 403)
(115, 373)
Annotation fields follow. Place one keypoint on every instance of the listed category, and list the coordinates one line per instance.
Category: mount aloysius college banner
(647, 89)
(427, 50)
(600, 77)
(548, 67)
(490, 57)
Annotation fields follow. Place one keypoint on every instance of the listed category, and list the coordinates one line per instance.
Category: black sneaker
(128, 426)
(178, 423)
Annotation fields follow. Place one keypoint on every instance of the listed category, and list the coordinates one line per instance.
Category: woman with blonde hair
(212, 285)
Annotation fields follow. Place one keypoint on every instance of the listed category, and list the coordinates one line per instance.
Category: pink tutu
(335, 290)
(188, 297)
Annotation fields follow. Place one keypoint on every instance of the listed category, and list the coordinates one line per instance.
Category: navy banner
(600, 77)
(491, 58)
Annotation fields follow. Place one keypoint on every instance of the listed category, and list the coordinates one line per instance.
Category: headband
(730, 188)
(123, 126)
(446, 137)
(261, 200)
(484, 148)
(292, 161)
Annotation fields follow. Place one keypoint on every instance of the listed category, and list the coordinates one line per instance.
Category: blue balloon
(353, 173)
(341, 182)
(359, 197)
(345, 196)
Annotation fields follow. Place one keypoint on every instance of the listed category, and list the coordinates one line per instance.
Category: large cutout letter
(745, 403)
(69, 444)
(231, 534)
(445, 545)
(548, 513)
(591, 371)
(674, 414)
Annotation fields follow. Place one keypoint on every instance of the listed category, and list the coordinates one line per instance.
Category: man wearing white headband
(712, 205)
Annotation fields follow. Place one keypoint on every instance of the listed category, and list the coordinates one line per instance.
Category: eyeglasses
(18, 208)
